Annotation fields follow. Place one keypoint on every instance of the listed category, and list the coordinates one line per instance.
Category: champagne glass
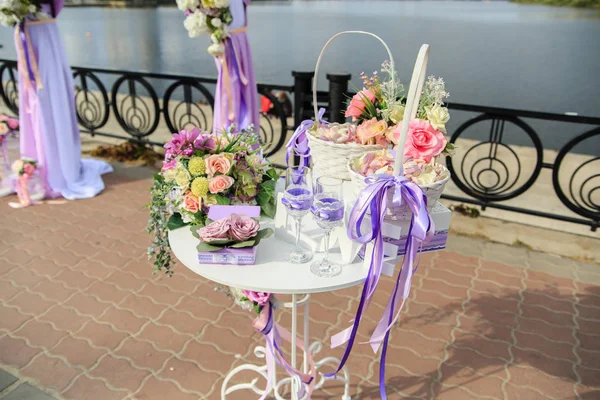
(328, 211)
(297, 198)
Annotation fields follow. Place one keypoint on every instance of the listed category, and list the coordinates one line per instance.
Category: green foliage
(223, 201)
(266, 195)
(160, 250)
(563, 3)
(175, 222)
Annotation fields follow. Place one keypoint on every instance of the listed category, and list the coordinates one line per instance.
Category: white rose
(195, 24)
(216, 49)
(3, 129)
(221, 3)
(216, 22)
(397, 113)
(169, 174)
(185, 5)
(17, 166)
(438, 116)
(182, 176)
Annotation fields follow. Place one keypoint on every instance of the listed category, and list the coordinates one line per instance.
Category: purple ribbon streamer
(26, 51)
(298, 144)
(275, 354)
(374, 198)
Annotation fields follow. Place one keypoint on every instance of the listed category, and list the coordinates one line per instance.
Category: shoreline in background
(581, 4)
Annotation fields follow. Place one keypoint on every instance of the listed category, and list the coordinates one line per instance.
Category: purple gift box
(244, 256)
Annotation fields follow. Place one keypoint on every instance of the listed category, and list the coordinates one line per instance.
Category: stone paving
(82, 317)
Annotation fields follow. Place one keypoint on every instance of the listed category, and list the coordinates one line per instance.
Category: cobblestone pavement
(82, 317)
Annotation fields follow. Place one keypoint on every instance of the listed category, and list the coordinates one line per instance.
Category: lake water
(490, 53)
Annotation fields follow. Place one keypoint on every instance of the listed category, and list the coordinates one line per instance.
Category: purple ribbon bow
(374, 199)
(298, 144)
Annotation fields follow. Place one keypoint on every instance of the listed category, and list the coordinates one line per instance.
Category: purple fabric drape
(236, 98)
(48, 121)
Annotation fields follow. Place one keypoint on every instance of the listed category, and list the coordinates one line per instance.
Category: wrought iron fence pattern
(489, 171)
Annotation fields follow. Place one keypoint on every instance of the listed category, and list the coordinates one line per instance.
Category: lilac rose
(242, 227)
(261, 298)
(217, 230)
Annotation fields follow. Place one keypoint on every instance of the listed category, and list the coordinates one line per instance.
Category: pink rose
(28, 169)
(423, 141)
(217, 163)
(372, 132)
(220, 183)
(13, 123)
(357, 104)
(242, 227)
(217, 230)
(261, 298)
(191, 202)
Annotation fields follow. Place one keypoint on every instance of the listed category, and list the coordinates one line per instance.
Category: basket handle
(412, 104)
(314, 86)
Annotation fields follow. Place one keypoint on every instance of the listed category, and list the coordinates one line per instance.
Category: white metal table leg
(294, 338)
(305, 337)
(293, 382)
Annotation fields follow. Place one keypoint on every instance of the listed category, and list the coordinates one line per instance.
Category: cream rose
(220, 163)
(438, 117)
(372, 132)
(397, 113)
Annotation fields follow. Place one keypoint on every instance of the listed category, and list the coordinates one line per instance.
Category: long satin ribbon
(3, 140)
(298, 144)
(227, 76)
(274, 333)
(374, 199)
(26, 54)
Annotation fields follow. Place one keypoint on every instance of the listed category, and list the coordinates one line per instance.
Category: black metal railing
(501, 155)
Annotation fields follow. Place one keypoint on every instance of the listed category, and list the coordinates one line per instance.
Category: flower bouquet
(7, 125)
(211, 17)
(425, 143)
(28, 186)
(230, 240)
(376, 111)
(203, 169)
(247, 299)
(13, 12)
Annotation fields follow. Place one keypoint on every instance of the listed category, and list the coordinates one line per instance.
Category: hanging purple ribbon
(374, 199)
(298, 144)
(274, 334)
(28, 55)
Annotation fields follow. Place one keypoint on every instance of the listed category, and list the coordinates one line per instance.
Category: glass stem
(298, 225)
(326, 256)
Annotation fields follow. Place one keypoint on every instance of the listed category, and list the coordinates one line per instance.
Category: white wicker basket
(330, 158)
(433, 192)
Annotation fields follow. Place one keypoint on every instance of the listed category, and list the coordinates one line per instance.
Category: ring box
(232, 256)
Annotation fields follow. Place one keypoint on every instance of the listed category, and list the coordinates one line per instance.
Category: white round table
(273, 274)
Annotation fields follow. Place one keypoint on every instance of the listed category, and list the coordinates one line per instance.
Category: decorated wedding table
(371, 188)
